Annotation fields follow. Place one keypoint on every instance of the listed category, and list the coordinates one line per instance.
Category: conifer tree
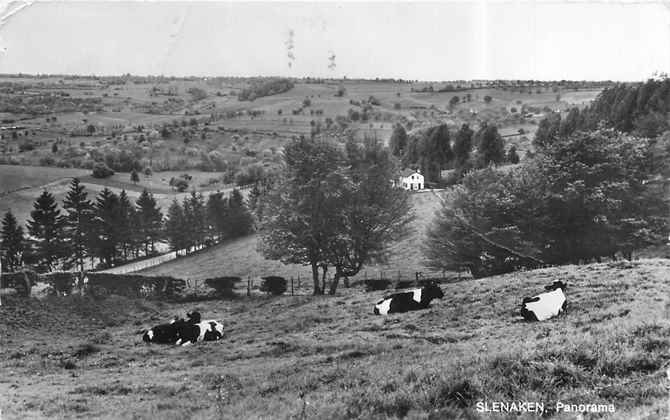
(78, 225)
(175, 227)
(107, 237)
(45, 228)
(150, 221)
(13, 243)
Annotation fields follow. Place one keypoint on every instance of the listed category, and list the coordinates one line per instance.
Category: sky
(576, 40)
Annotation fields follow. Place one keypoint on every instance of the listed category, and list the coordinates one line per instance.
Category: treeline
(113, 230)
(265, 87)
(639, 109)
(582, 197)
(436, 148)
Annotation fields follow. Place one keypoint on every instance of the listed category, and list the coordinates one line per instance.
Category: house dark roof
(408, 172)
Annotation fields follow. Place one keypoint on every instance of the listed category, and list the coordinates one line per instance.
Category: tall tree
(398, 141)
(78, 225)
(463, 146)
(125, 225)
(176, 226)
(198, 221)
(371, 213)
(217, 214)
(12, 246)
(106, 239)
(239, 220)
(46, 233)
(150, 221)
(490, 147)
(300, 217)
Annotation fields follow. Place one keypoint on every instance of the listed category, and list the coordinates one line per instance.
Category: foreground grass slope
(329, 357)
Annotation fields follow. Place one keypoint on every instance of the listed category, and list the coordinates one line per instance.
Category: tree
(78, 225)
(197, 218)
(371, 214)
(175, 227)
(90, 129)
(398, 141)
(463, 146)
(487, 99)
(239, 219)
(149, 219)
(300, 219)
(454, 101)
(106, 236)
(435, 152)
(547, 130)
(12, 246)
(134, 177)
(101, 170)
(45, 228)
(126, 221)
(579, 199)
(490, 148)
(217, 215)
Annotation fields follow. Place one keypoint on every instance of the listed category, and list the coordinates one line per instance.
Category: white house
(411, 180)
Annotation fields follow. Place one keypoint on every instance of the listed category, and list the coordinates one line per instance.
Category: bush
(273, 284)
(134, 285)
(372, 285)
(100, 170)
(223, 286)
(61, 282)
(21, 281)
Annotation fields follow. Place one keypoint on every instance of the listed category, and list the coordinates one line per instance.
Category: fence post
(291, 285)
(298, 281)
(248, 285)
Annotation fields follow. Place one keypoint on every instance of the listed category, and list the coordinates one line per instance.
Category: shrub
(134, 285)
(61, 282)
(376, 284)
(100, 170)
(223, 286)
(273, 284)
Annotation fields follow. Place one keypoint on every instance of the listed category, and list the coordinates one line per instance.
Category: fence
(141, 265)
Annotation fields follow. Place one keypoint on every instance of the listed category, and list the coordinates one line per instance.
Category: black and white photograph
(335, 210)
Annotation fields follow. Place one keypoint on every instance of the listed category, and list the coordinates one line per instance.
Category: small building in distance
(411, 180)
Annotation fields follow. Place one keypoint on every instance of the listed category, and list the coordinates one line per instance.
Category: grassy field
(13, 177)
(329, 357)
(241, 258)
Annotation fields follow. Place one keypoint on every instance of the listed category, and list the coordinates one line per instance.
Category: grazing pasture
(330, 357)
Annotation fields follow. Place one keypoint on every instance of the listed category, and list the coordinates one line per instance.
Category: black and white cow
(180, 331)
(408, 301)
(545, 305)
(209, 330)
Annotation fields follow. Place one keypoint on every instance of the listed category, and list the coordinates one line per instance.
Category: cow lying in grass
(408, 301)
(545, 305)
(183, 332)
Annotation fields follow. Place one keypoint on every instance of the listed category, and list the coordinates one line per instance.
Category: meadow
(299, 357)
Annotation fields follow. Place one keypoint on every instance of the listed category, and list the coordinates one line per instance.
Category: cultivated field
(329, 357)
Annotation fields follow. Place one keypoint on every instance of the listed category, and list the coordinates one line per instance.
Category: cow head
(555, 286)
(432, 291)
(193, 317)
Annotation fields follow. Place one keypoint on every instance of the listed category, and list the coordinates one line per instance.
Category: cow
(190, 333)
(408, 301)
(170, 332)
(545, 305)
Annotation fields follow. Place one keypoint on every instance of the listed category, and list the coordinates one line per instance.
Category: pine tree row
(113, 230)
